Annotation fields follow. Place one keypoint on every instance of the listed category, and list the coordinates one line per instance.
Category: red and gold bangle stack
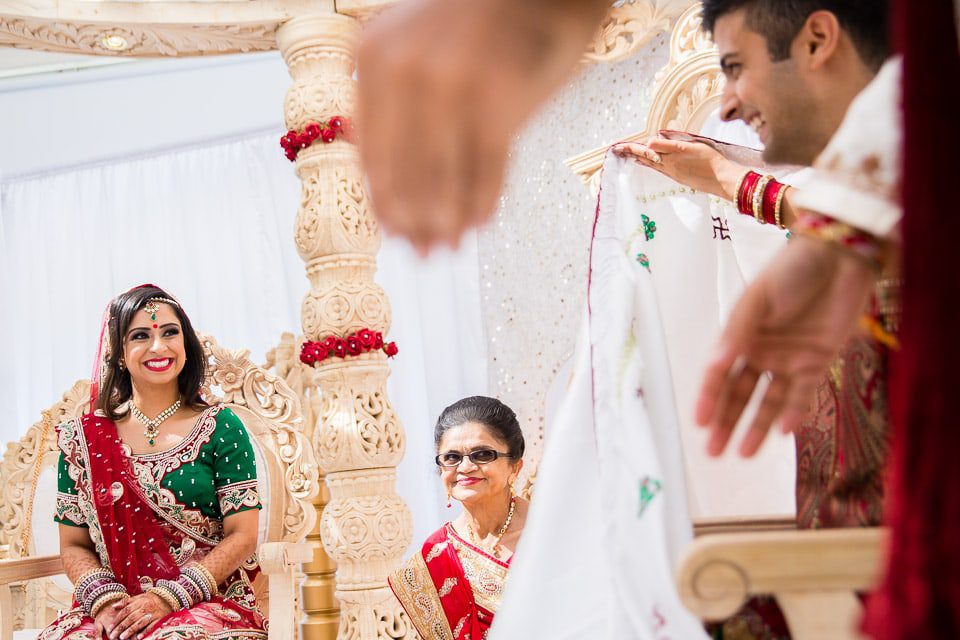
(748, 184)
(761, 197)
(825, 228)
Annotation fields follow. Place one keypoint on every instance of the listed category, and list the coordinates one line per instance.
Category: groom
(792, 71)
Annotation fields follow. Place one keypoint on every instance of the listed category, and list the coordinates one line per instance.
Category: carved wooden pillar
(366, 527)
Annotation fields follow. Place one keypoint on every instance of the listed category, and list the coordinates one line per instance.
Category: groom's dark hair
(779, 22)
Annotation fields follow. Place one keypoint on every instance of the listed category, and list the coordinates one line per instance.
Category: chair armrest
(280, 561)
(20, 569)
(278, 557)
(718, 572)
(743, 524)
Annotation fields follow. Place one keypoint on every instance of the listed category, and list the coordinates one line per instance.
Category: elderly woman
(157, 499)
(451, 589)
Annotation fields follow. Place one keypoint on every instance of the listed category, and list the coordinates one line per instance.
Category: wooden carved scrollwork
(22, 465)
(687, 90)
(628, 28)
(234, 379)
(152, 40)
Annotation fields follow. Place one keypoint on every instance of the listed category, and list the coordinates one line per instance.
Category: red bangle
(771, 198)
(748, 185)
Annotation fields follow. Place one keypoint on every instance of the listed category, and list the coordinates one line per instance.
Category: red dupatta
(920, 595)
(133, 540)
(450, 589)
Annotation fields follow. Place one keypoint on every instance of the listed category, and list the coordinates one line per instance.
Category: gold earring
(121, 364)
(449, 499)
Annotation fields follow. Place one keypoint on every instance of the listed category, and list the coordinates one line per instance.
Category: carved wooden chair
(814, 575)
(32, 586)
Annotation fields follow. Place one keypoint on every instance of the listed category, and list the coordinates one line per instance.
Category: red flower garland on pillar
(335, 127)
(354, 344)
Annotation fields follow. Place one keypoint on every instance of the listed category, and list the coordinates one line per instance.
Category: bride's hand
(106, 620)
(137, 615)
(693, 164)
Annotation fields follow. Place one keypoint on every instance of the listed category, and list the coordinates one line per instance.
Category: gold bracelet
(758, 198)
(211, 581)
(777, 207)
(165, 595)
(104, 600)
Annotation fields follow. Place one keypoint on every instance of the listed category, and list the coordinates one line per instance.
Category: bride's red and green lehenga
(148, 515)
(450, 589)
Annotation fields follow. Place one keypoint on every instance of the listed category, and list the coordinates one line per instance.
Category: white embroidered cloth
(610, 512)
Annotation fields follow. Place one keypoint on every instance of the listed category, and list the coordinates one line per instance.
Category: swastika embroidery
(720, 229)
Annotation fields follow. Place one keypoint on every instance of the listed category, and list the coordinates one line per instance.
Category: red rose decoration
(366, 339)
(390, 349)
(340, 349)
(353, 346)
(307, 357)
(378, 340)
(312, 130)
(330, 343)
(336, 123)
(328, 135)
(291, 155)
(303, 141)
(321, 353)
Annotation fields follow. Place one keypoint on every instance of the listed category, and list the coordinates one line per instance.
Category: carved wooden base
(373, 614)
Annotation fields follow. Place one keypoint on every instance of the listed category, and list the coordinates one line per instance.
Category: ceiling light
(113, 42)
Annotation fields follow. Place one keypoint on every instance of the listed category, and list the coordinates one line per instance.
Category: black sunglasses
(480, 456)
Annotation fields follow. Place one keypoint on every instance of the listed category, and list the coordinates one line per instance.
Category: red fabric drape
(134, 541)
(920, 596)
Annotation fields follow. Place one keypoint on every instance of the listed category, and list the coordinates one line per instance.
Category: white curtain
(214, 226)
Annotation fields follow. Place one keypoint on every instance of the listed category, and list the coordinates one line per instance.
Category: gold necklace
(506, 525)
(152, 427)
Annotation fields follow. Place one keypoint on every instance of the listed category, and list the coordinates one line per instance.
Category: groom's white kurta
(614, 493)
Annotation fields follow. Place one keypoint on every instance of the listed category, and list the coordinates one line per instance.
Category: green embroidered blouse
(210, 474)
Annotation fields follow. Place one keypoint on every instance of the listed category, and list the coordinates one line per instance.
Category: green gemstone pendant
(151, 442)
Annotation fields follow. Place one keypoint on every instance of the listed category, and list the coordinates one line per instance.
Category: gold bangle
(777, 207)
(758, 198)
(211, 581)
(165, 595)
(104, 600)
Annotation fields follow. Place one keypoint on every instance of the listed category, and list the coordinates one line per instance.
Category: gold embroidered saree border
(485, 575)
(415, 590)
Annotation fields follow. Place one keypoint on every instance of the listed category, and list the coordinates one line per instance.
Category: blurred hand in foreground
(788, 326)
(443, 87)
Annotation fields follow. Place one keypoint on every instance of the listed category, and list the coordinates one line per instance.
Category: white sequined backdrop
(533, 256)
